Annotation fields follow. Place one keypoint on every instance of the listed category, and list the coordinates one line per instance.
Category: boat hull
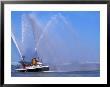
(33, 70)
(21, 70)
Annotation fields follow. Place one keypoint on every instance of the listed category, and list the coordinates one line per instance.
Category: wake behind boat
(34, 66)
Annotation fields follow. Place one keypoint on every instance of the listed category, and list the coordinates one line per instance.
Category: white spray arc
(29, 36)
(38, 42)
(31, 28)
(16, 43)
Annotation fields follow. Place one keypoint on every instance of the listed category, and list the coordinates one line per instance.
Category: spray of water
(47, 27)
(16, 43)
(70, 28)
(39, 35)
(36, 28)
(28, 37)
(55, 46)
(51, 23)
(50, 43)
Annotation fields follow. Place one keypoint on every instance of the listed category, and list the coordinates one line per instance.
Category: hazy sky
(67, 36)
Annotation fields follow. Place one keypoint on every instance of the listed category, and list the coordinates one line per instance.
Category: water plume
(16, 43)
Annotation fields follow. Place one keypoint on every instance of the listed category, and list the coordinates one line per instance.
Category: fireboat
(35, 66)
